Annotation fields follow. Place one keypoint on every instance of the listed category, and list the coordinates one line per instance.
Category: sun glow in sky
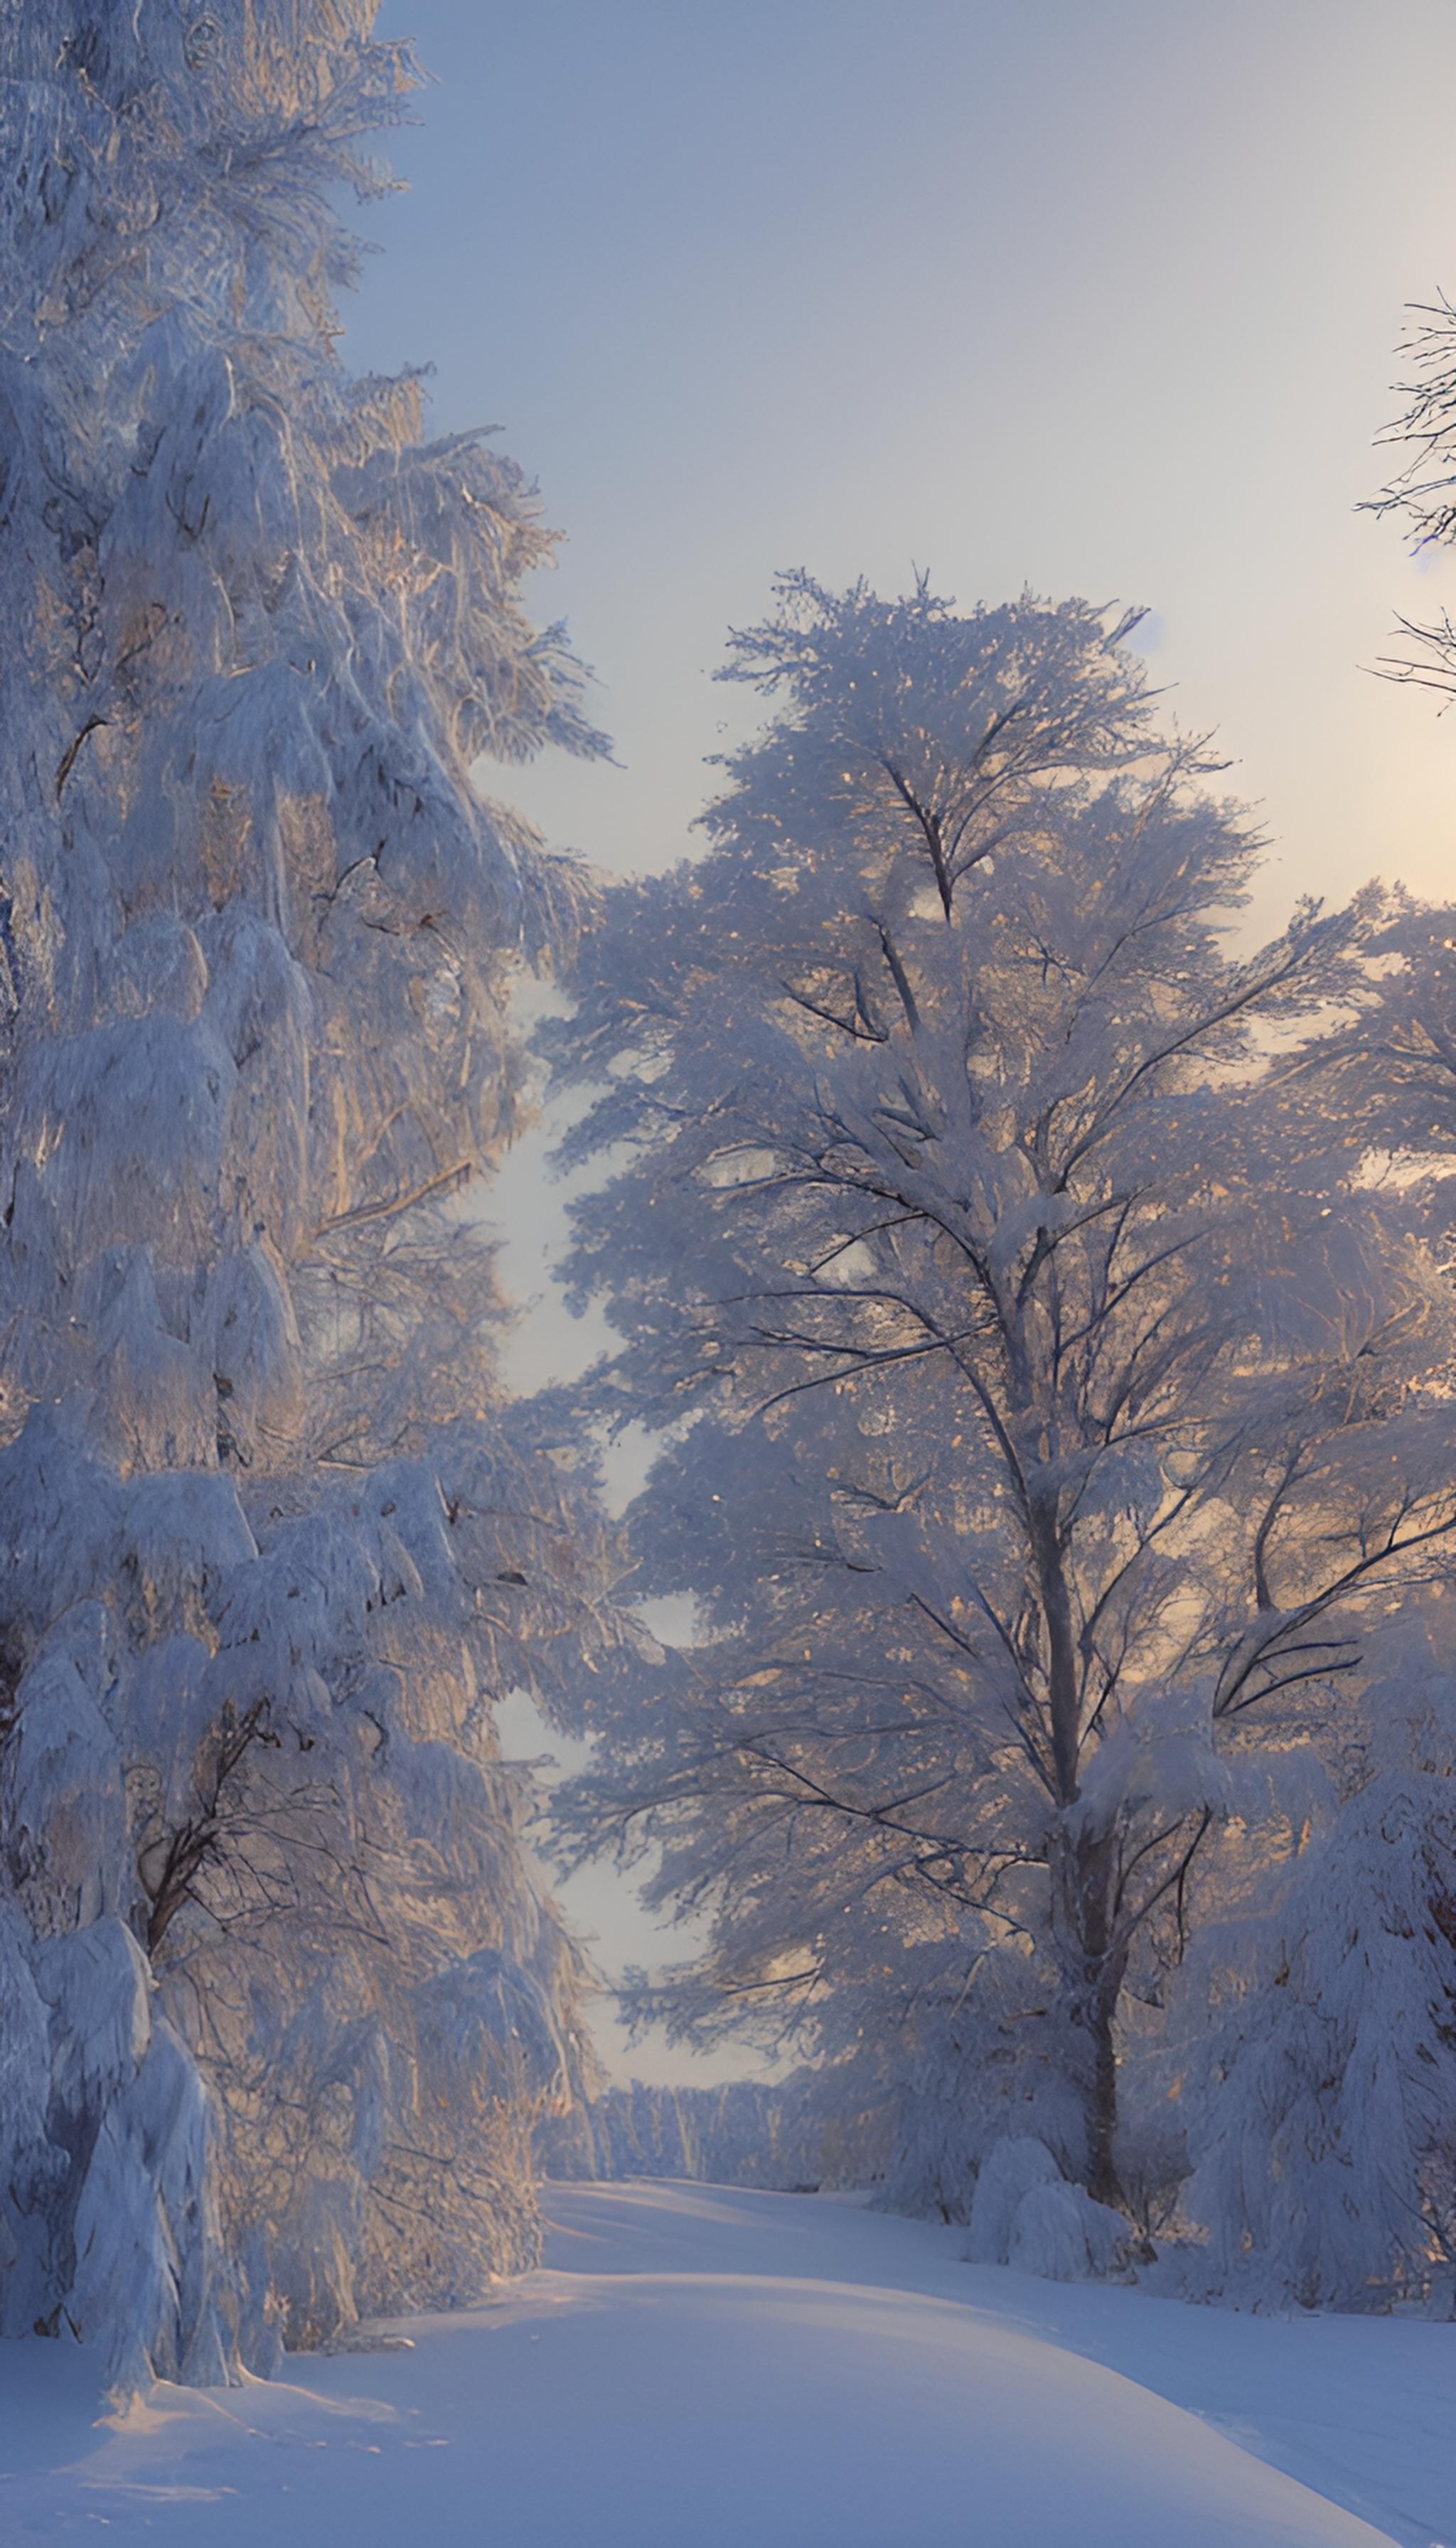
(1098, 295)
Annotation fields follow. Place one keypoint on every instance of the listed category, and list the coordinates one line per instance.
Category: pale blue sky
(1095, 294)
(1098, 295)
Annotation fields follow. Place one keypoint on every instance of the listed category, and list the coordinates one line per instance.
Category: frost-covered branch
(1067, 1239)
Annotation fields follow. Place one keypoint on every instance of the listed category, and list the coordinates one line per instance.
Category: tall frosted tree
(277, 1999)
(1040, 1383)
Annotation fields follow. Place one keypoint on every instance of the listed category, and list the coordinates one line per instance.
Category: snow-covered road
(706, 2369)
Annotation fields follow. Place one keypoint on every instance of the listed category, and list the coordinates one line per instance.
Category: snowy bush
(1060, 2231)
(1027, 2213)
(1007, 2176)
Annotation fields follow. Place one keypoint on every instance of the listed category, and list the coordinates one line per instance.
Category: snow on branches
(281, 2001)
(1045, 1386)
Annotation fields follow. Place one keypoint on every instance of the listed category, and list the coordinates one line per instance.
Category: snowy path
(706, 2369)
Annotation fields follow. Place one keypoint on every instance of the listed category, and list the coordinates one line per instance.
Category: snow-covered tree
(278, 2001)
(1040, 1380)
(1326, 2137)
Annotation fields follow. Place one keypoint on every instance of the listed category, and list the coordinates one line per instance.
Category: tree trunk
(1092, 1984)
(1102, 2169)
(1081, 1875)
(1063, 1685)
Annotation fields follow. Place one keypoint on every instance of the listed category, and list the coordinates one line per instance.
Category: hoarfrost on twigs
(281, 2002)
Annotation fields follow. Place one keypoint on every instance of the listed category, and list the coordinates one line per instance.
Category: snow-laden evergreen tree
(1326, 2137)
(1043, 1381)
(278, 2002)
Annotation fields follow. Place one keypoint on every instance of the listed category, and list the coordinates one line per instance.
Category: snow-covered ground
(699, 2368)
